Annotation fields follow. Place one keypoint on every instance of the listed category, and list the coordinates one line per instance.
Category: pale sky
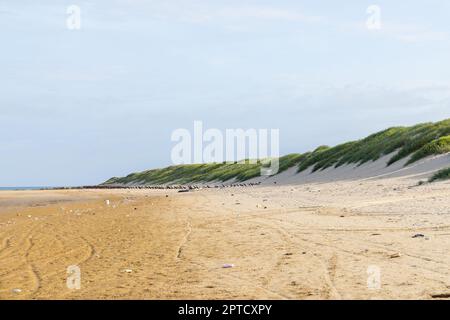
(80, 106)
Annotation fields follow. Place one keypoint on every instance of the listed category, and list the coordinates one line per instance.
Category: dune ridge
(407, 151)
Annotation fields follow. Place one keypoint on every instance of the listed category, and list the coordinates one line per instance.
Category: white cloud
(208, 12)
(413, 34)
(267, 13)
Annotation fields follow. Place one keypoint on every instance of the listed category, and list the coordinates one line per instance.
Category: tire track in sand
(184, 240)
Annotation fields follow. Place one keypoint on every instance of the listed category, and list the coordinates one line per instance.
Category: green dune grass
(192, 173)
(418, 141)
(415, 142)
(443, 174)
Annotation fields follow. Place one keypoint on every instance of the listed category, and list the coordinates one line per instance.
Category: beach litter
(107, 202)
(127, 270)
(395, 255)
(16, 290)
(227, 265)
(418, 235)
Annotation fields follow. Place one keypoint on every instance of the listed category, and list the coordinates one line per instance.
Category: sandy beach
(224, 151)
(309, 241)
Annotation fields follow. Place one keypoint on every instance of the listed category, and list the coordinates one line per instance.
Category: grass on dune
(415, 142)
(194, 173)
(443, 174)
(438, 146)
(418, 141)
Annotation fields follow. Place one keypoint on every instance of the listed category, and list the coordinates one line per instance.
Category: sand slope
(421, 169)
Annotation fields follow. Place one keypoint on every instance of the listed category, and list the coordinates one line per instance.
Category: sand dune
(308, 241)
(422, 169)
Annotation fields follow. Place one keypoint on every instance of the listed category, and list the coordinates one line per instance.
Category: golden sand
(315, 241)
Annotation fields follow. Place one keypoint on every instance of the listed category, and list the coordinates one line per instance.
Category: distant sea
(24, 188)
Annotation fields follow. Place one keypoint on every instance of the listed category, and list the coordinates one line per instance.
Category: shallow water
(24, 188)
